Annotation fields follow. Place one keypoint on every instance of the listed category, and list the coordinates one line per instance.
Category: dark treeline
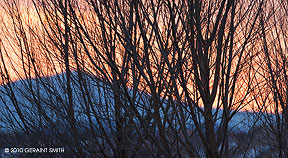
(145, 78)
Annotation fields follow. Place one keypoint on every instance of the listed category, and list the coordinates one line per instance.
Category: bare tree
(132, 77)
(273, 34)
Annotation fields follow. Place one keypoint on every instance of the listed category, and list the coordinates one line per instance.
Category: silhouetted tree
(130, 78)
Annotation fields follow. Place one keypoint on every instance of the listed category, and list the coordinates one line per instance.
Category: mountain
(49, 95)
(40, 105)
